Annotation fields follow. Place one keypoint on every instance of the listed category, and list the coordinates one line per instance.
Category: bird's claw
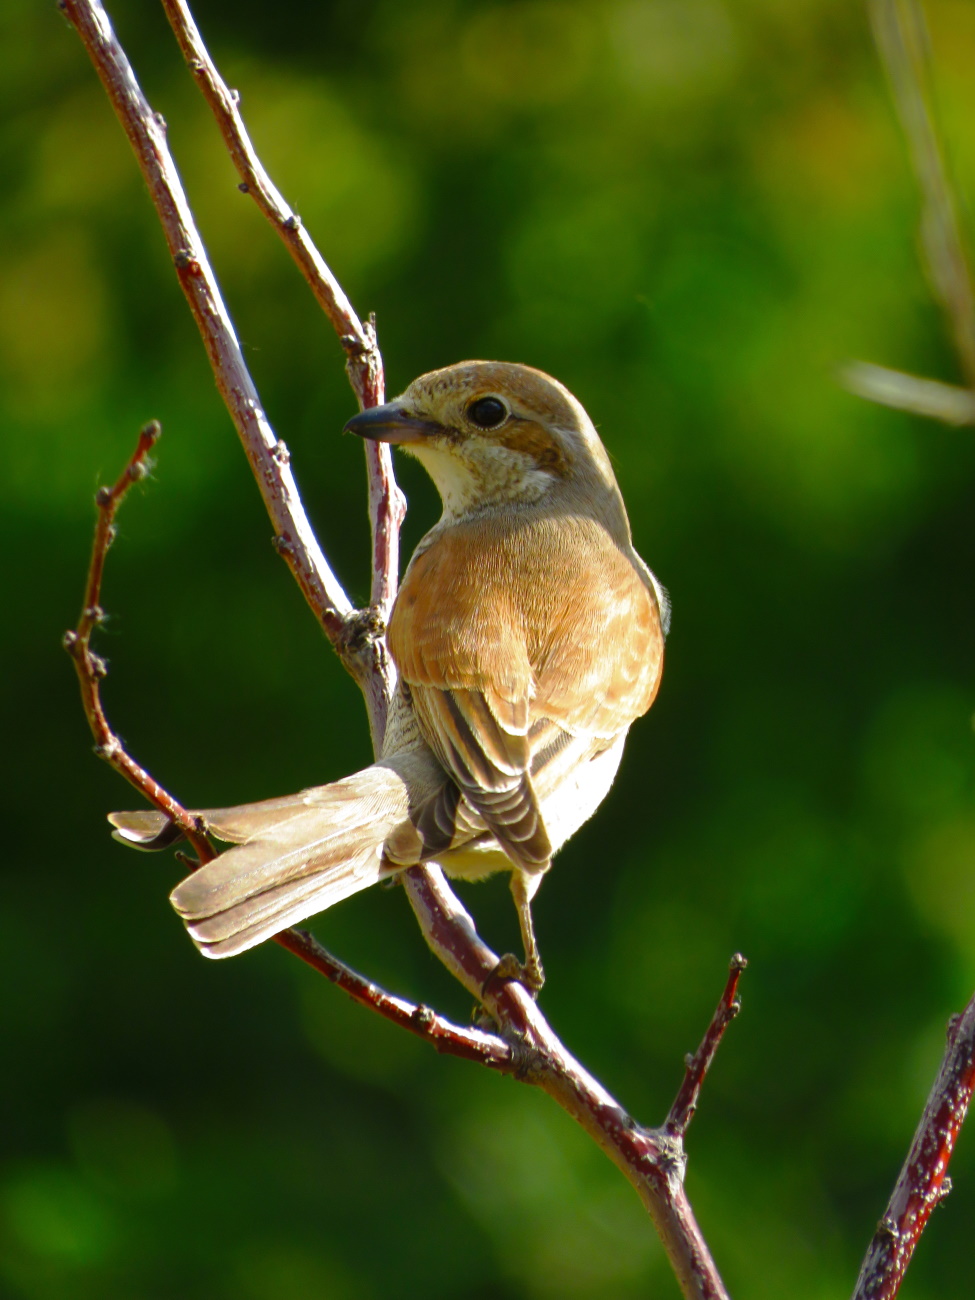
(528, 974)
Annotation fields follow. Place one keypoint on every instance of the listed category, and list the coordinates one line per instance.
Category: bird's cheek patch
(537, 444)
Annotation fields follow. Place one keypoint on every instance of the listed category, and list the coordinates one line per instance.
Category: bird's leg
(523, 890)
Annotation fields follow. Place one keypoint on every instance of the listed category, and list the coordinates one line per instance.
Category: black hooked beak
(390, 423)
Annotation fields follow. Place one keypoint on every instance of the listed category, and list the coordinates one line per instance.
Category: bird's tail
(292, 857)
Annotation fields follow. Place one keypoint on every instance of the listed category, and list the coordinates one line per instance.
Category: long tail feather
(292, 857)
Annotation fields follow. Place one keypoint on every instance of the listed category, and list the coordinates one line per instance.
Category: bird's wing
(600, 665)
(495, 695)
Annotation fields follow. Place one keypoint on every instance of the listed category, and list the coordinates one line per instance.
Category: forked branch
(525, 1045)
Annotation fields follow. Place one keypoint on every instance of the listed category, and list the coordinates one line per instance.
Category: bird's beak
(390, 423)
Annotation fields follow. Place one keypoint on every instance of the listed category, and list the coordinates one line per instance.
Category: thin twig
(903, 392)
(387, 505)
(91, 667)
(685, 1103)
(923, 1182)
(901, 37)
(902, 40)
(454, 1040)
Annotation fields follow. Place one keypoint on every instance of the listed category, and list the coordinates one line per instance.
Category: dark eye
(487, 412)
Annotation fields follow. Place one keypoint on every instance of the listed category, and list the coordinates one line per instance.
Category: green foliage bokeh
(692, 212)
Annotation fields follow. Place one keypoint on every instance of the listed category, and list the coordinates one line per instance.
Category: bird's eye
(487, 412)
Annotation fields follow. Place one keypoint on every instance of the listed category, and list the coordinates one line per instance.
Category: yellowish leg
(523, 890)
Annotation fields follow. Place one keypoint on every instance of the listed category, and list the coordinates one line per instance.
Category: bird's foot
(528, 974)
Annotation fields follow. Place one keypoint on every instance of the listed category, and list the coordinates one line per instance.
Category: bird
(527, 636)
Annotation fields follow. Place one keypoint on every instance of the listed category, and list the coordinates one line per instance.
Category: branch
(697, 1066)
(929, 397)
(902, 41)
(357, 638)
(652, 1159)
(387, 505)
(454, 1040)
(923, 1182)
(526, 1046)
(91, 668)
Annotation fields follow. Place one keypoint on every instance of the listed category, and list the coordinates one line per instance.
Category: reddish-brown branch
(91, 668)
(387, 504)
(685, 1103)
(268, 456)
(923, 1181)
(653, 1160)
(455, 1040)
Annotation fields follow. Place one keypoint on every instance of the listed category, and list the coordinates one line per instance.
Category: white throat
(492, 475)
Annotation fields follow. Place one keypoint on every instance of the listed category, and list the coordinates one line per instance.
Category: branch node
(244, 187)
(293, 222)
(103, 497)
(281, 453)
(888, 1228)
(423, 1016)
(108, 750)
(283, 546)
(160, 121)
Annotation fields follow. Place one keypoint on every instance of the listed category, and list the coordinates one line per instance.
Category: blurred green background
(691, 212)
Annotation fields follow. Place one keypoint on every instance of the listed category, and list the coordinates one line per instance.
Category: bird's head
(493, 434)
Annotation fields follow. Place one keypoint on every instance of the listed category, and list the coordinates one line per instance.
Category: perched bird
(527, 635)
